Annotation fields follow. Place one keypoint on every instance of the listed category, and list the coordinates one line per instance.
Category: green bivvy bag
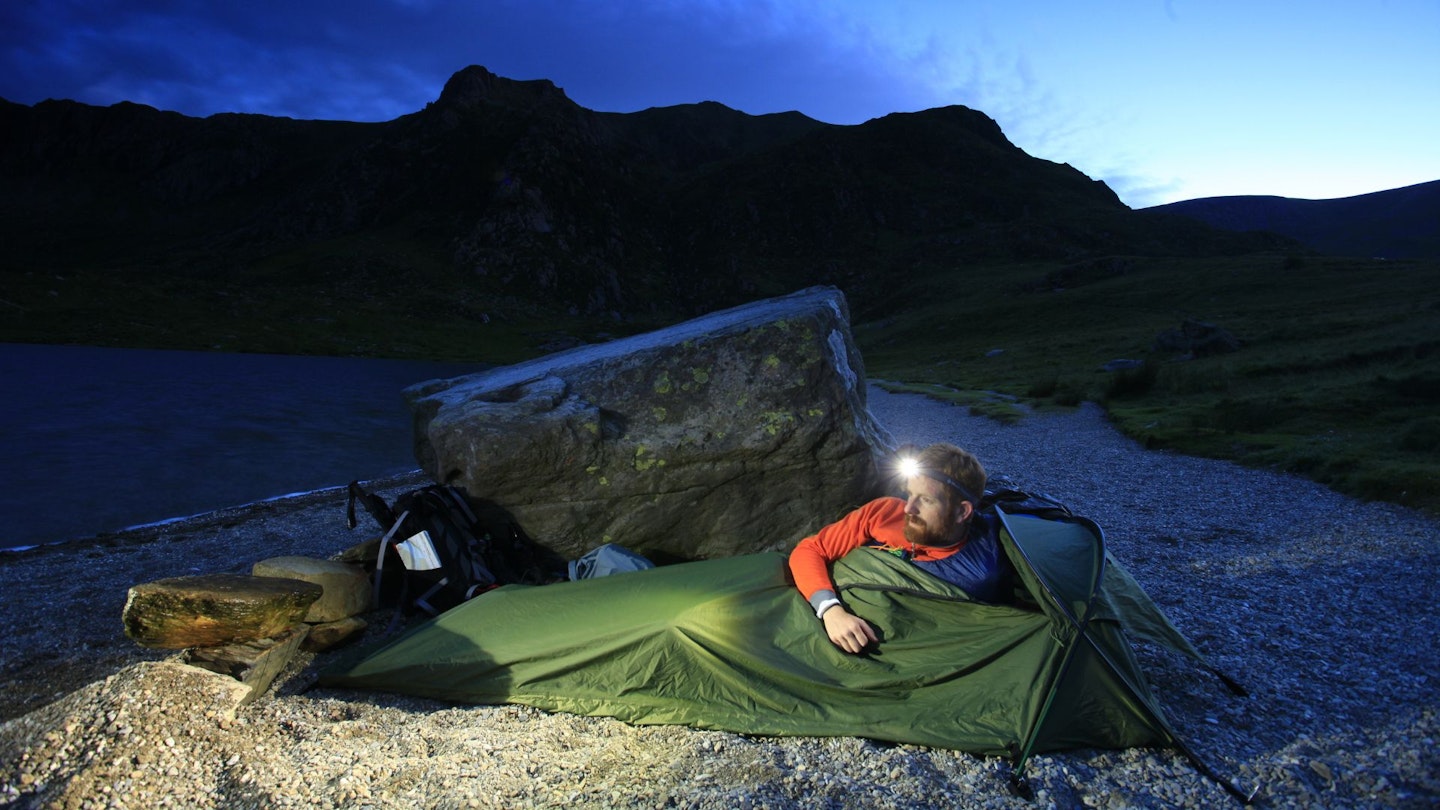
(731, 644)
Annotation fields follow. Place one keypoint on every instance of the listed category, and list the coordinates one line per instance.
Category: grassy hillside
(400, 304)
(1394, 224)
(1338, 377)
(522, 195)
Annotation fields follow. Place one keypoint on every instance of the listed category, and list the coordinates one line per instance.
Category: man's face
(928, 521)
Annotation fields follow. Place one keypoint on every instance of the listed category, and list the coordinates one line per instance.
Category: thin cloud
(1141, 191)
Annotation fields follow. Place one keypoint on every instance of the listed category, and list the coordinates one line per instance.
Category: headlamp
(909, 468)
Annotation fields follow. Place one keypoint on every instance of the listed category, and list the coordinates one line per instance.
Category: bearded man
(937, 527)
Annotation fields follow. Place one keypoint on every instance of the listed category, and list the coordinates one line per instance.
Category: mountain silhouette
(1402, 223)
(523, 198)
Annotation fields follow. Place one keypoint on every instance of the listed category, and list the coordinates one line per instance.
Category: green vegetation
(1337, 379)
(356, 296)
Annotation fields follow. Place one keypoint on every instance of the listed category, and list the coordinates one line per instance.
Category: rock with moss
(735, 432)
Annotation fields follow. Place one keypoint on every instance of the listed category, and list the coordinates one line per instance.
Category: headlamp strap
(964, 491)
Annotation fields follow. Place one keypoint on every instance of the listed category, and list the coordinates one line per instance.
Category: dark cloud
(376, 60)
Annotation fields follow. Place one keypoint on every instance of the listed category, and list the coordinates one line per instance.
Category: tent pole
(1018, 784)
(1204, 768)
(1195, 759)
(1017, 773)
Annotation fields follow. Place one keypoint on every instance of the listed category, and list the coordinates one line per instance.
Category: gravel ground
(1318, 603)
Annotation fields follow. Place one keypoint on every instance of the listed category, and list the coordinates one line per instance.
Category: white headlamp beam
(909, 468)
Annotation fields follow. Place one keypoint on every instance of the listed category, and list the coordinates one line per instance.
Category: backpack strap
(421, 600)
(399, 614)
(380, 556)
(374, 504)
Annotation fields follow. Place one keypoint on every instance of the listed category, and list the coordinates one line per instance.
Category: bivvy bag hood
(731, 644)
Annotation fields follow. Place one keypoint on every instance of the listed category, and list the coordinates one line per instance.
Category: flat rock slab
(346, 587)
(215, 609)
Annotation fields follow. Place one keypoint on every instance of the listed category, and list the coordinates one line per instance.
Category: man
(937, 528)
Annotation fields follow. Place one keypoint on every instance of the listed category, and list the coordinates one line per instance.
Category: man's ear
(964, 511)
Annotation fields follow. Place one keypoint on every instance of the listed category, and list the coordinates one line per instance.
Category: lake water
(97, 440)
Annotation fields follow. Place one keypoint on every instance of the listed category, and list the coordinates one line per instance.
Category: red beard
(921, 534)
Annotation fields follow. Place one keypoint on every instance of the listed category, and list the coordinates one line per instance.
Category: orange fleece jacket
(881, 520)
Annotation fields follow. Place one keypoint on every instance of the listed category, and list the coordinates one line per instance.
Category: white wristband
(824, 606)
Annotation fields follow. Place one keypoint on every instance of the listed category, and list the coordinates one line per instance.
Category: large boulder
(735, 432)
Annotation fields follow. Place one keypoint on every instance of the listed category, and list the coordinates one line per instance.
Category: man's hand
(848, 631)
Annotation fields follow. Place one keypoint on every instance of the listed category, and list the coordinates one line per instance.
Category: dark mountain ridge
(1402, 223)
(512, 193)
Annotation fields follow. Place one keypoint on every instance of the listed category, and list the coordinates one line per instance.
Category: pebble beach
(1319, 604)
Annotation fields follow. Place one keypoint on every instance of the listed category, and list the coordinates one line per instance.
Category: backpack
(438, 552)
(1006, 494)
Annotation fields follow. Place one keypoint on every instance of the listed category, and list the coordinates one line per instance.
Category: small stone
(331, 634)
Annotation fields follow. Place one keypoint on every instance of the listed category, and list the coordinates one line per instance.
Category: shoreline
(1317, 603)
(146, 532)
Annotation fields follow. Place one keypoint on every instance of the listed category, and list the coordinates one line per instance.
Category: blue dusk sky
(1164, 100)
